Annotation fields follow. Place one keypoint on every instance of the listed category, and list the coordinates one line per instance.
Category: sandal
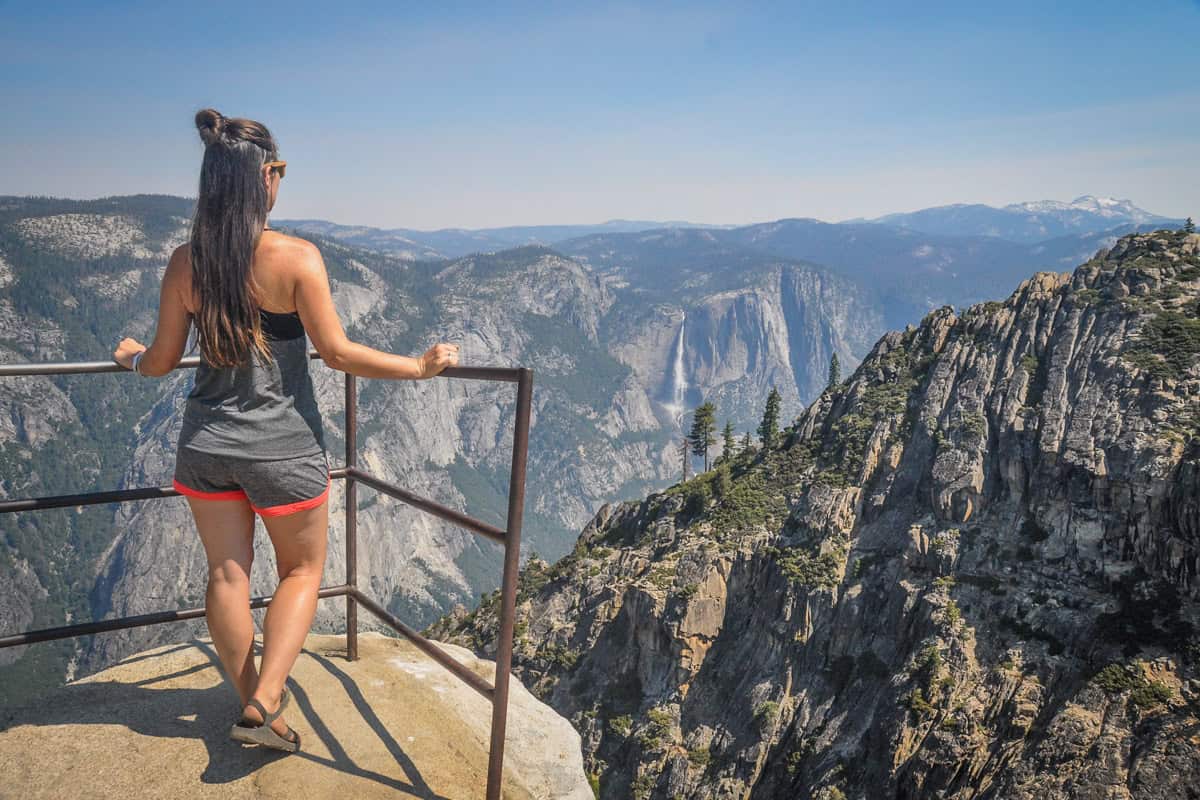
(252, 732)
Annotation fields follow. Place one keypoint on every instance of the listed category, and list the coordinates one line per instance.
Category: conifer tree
(728, 447)
(835, 371)
(704, 430)
(746, 443)
(768, 429)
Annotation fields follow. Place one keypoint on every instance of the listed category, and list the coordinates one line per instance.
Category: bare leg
(226, 529)
(300, 544)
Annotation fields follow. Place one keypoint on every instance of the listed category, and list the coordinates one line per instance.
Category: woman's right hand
(437, 358)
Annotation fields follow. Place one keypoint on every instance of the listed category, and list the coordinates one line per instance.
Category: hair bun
(211, 124)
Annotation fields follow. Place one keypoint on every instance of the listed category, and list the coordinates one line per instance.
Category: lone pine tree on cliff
(835, 371)
(704, 430)
(728, 445)
(768, 429)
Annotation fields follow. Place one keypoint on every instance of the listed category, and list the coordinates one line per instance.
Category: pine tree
(685, 453)
(728, 447)
(1189, 226)
(835, 371)
(768, 429)
(704, 430)
(746, 443)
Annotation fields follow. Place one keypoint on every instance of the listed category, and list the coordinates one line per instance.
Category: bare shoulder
(296, 252)
(285, 242)
(303, 259)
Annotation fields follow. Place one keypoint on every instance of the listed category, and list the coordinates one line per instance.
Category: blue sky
(471, 115)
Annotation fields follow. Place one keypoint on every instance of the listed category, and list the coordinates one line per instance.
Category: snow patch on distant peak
(1101, 206)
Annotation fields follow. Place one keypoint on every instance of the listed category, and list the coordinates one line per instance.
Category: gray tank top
(255, 411)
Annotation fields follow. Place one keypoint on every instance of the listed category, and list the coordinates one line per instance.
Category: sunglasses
(281, 166)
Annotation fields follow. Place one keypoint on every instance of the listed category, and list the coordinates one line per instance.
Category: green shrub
(1143, 693)
(1153, 693)
(643, 786)
(953, 614)
(974, 424)
(928, 661)
(806, 568)
(698, 495)
(1115, 679)
(1170, 342)
(560, 655)
(765, 714)
(915, 702)
(723, 482)
(657, 729)
(662, 575)
(622, 725)
(748, 504)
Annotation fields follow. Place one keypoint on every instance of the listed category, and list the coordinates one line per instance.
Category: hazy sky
(430, 115)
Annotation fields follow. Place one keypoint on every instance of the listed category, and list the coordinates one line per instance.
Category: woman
(252, 440)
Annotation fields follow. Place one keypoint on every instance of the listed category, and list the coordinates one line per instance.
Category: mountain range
(1029, 222)
(626, 331)
(1020, 222)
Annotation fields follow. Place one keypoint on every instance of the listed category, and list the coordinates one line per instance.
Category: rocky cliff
(968, 571)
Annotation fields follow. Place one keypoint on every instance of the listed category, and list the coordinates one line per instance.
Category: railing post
(508, 591)
(351, 517)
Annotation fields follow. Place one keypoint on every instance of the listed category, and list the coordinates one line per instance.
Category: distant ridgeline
(970, 569)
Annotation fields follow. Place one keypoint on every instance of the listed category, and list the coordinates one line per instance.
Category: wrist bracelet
(137, 357)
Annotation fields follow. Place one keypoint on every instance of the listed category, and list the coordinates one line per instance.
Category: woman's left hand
(126, 350)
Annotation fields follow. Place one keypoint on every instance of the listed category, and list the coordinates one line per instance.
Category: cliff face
(969, 571)
(731, 345)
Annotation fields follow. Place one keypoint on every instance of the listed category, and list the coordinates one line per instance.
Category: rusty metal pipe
(351, 407)
(433, 507)
(429, 648)
(508, 590)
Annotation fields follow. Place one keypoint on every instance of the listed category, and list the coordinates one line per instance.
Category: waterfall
(678, 377)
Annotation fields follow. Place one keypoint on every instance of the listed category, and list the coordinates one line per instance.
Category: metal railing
(509, 537)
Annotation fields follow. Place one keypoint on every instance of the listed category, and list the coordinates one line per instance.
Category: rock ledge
(392, 724)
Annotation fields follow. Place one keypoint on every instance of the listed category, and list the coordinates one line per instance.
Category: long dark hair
(231, 211)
